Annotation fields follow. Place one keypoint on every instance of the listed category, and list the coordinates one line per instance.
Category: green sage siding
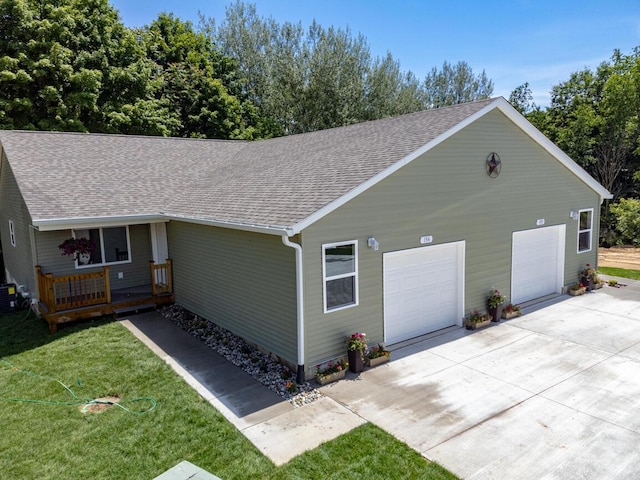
(18, 260)
(242, 281)
(447, 194)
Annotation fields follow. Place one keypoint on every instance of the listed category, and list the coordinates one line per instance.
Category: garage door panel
(537, 263)
(422, 290)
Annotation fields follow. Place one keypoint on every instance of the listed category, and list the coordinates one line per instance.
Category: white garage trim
(423, 290)
(537, 262)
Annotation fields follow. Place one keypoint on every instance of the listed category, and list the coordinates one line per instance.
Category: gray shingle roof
(278, 182)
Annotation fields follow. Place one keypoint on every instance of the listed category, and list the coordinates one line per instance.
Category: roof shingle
(277, 182)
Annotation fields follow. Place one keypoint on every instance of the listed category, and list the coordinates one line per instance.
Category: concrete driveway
(553, 394)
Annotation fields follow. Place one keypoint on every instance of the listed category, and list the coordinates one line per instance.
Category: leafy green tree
(593, 117)
(326, 77)
(390, 91)
(522, 99)
(455, 84)
(72, 65)
(627, 215)
(198, 82)
(338, 65)
(42, 86)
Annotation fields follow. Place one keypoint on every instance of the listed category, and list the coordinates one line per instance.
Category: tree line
(73, 65)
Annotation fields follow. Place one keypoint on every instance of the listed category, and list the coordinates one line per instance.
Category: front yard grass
(620, 272)
(101, 358)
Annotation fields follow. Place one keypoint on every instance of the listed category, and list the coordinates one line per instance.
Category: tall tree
(326, 77)
(455, 84)
(338, 65)
(390, 91)
(522, 99)
(593, 117)
(72, 65)
(198, 82)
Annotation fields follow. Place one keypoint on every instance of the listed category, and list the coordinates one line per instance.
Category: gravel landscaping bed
(256, 363)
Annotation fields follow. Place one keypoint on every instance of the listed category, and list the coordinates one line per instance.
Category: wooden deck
(88, 295)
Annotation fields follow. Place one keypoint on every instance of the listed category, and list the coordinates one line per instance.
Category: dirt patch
(619, 257)
(100, 405)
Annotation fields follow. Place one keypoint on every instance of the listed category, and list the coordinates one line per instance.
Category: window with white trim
(585, 230)
(340, 275)
(12, 233)
(112, 245)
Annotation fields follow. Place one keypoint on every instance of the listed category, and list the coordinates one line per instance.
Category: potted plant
(476, 320)
(376, 356)
(331, 372)
(495, 303)
(599, 283)
(80, 248)
(577, 289)
(356, 345)
(613, 283)
(588, 277)
(511, 311)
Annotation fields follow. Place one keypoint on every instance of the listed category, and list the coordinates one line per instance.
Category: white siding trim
(102, 251)
(590, 230)
(337, 277)
(12, 233)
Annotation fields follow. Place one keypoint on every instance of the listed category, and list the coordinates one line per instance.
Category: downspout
(300, 377)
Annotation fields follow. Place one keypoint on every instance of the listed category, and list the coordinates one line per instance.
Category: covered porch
(86, 295)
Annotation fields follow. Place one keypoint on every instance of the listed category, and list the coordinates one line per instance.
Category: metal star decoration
(494, 165)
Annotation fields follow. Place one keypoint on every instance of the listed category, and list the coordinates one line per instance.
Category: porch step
(134, 309)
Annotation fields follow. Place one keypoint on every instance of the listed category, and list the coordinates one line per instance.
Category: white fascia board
(247, 227)
(555, 151)
(46, 225)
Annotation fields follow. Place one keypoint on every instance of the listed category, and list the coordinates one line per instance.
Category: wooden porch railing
(85, 289)
(73, 291)
(161, 277)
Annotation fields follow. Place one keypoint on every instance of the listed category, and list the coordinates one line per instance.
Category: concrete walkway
(553, 394)
(280, 430)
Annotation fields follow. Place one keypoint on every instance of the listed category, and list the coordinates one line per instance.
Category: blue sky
(537, 41)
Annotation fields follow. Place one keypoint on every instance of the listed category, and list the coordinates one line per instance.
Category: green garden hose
(77, 400)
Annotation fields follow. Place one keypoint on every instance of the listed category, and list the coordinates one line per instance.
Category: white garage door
(423, 290)
(537, 267)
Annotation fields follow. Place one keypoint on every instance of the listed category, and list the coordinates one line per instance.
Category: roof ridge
(121, 135)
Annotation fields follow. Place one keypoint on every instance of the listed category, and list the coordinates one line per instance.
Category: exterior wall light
(373, 243)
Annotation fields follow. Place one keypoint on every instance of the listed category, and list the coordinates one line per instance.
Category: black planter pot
(496, 313)
(587, 282)
(356, 363)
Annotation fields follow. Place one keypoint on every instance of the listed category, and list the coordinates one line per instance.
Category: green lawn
(100, 358)
(620, 272)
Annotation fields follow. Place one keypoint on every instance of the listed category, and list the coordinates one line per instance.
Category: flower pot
(496, 313)
(331, 377)
(374, 362)
(356, 362)
(598, 285)
(510, 315)
(578, 291)
(476, 326)
(587, 282)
